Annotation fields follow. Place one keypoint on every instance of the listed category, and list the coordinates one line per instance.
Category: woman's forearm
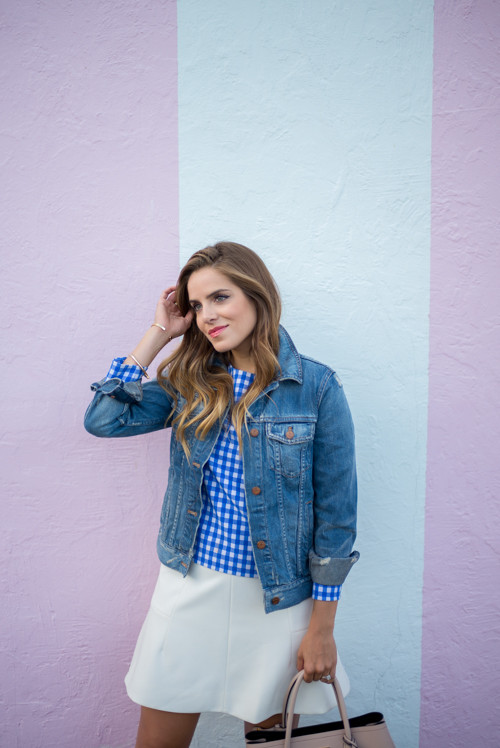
(323, 616)
(149, 347)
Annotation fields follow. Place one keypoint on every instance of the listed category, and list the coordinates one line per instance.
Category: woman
(258, 521)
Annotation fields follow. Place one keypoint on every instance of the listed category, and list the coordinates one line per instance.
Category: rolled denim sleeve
(335, 488)
(127, 408)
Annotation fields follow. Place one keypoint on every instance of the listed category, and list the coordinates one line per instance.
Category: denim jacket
(299, 473)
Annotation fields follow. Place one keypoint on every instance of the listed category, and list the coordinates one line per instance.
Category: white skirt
(207, 645)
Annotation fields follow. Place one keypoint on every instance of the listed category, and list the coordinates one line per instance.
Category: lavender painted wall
(89, 226)
(461, 614)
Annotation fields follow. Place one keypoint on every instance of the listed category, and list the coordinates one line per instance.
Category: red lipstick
(216, 331)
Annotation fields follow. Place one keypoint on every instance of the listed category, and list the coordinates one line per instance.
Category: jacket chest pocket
(291, 447)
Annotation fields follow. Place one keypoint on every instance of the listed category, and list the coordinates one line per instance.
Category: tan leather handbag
(367, 731)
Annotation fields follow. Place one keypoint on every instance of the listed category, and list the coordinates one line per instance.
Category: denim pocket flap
(291, 432)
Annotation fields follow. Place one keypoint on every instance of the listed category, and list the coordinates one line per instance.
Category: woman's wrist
(164, 329)
(159, 336)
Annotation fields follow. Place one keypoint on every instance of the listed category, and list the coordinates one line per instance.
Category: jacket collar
(289, 359)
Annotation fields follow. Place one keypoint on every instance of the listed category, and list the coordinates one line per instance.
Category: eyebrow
(211, 295)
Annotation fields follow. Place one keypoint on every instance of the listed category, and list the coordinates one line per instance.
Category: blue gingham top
(223, 542)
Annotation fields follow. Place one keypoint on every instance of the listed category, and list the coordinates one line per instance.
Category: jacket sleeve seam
(324, 383)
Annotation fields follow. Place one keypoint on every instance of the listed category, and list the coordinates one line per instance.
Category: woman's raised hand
(169, 316)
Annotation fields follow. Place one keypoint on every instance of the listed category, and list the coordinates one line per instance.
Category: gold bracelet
(157, 324)
(131, 355)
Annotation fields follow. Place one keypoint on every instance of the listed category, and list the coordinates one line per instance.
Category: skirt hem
(207, 645)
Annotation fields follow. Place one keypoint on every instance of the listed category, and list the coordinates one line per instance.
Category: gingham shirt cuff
(326, 592)
(129, 373)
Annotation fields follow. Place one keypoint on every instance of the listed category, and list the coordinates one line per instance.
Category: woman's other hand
(317, 655)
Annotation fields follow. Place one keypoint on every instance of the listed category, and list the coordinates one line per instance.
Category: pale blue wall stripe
(304, 132)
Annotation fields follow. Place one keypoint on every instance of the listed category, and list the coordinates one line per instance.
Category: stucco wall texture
(89, 217)
(461, 605)
(353, 145)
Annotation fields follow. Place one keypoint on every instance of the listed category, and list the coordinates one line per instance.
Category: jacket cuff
(127, 373)
(326, 592)
(125, 392)
(330, 571)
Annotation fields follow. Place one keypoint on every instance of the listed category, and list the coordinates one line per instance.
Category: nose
(208, 313)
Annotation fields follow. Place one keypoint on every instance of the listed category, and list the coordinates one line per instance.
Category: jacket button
(261, 544)
(275, 601)
(289, 434)
(256, 490)
(254, 432)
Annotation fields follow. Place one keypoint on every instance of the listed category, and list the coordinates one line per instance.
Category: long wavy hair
(195, 369)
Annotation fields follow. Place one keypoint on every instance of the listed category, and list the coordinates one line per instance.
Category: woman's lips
(216, 331)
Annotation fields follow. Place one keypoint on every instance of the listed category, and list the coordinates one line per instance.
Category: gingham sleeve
(327, 592)
(129, 373)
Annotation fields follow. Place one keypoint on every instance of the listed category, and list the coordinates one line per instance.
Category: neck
(245, 363)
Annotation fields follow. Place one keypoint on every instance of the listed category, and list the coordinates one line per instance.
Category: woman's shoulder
(310, 364)
(321, 378)
(307, 368)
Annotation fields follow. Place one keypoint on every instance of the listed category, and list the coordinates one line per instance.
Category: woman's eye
(197, 307)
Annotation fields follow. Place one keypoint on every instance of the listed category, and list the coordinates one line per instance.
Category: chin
(219, 345)
(221, 348)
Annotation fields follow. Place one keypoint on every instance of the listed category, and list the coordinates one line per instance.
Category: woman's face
(224, 313)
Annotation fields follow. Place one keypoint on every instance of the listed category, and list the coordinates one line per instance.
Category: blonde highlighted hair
(194, 369)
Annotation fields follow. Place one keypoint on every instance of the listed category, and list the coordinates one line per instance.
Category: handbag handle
(289, 709)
